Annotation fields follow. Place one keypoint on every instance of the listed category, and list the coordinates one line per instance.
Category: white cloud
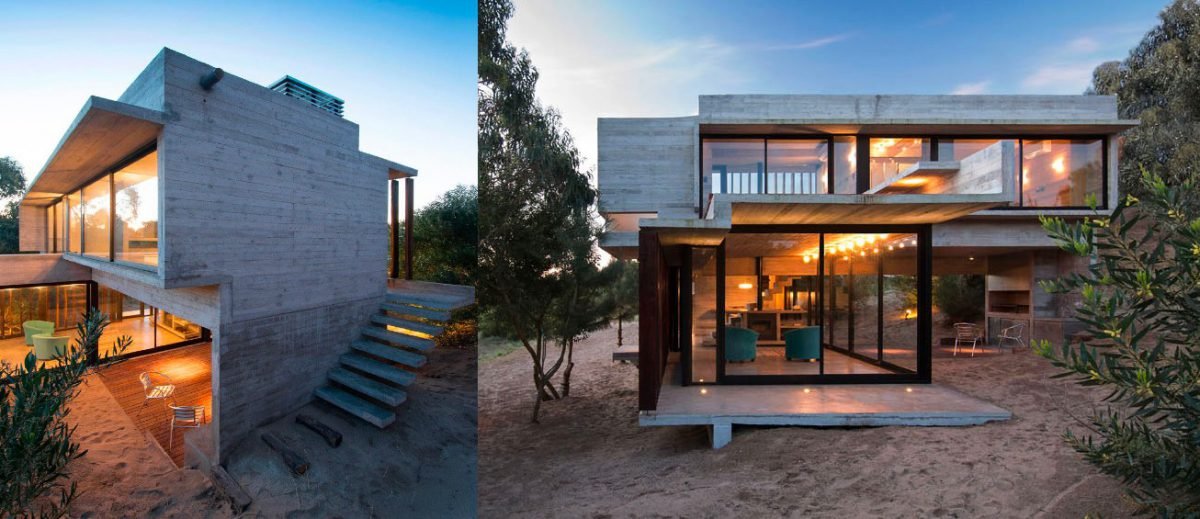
(1083, 45)
(813, 44)
(1061, 78)
(967, 89)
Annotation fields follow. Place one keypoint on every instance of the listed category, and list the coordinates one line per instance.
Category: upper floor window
(115, 217)
(797, 166)
(734, 165)
(1061, 173)
(891, 156)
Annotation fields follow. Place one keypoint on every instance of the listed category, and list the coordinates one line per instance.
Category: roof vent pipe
(211, 78)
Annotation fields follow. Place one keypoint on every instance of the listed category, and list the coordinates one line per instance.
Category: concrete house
(793, 239)
(203, 210)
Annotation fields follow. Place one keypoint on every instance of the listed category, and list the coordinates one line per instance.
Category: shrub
(1141, 303)
(959, 297)
(35, 439)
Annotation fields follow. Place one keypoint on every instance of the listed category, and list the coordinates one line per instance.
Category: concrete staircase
(370, 379)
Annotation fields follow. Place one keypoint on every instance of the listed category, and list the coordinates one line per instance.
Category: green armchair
(740, 344)
(802, 343)
(49, 347)
(36, 328)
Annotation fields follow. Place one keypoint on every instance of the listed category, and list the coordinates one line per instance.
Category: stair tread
(391, 353)
(416, 326)
(378, 369)
(438, 301)
(414, 311)
(371, 413)
(390, 395)
(402, 339)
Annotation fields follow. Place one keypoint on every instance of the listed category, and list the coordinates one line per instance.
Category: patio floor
(189, 368)
(722, 406)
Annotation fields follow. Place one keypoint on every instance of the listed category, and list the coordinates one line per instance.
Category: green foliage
(446, 238)
(35, 440)
(622, 294)
(1141, 302)
(537, 263)
(959, 297)
(12, 185)
(1159, 83)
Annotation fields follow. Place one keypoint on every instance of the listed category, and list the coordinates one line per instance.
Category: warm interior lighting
(908, 390)
(806, 258)
(971, 258)
(745, 286)
(806, 390)
(1058, 165)
(909, 314)
(703, 391)
(912, 181)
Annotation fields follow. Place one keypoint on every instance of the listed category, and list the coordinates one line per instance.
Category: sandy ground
(125, 473)
(424, 465)
(589, 458)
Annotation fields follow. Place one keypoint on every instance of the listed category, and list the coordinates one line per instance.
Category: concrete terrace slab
(852, 405)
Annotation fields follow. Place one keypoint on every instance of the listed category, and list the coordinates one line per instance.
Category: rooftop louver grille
(292, 87)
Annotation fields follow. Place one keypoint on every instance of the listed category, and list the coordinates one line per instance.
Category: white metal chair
(154, 390)
(185, 417)
(966, 333)
(1013, 333)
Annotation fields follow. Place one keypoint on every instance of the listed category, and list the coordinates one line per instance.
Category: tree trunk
(620, 335)
(566, 385)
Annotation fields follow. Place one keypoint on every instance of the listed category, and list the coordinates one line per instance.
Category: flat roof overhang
(892, 127)
(104, 132)
(395, 170)
(823, 209)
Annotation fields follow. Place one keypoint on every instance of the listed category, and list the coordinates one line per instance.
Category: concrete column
(722, 434)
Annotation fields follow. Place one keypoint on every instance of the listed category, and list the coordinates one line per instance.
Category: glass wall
(845, 165)
(74, 220)
(96, 225)
(891, 156)
(136, 215)
(819, 304)
(704, 315)
(734, 165)
(1061, 173)
(797, 166)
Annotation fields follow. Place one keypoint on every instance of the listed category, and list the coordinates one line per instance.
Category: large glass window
(845, 165)
(55, 218)
(797, 166)
(1061, 173)
(704, 315)
(734, 165)
(136, 214)
(74, 212)
(96, 225)
(890, 157)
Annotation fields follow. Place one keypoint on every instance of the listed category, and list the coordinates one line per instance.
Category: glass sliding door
(814, 307)
(703, 346)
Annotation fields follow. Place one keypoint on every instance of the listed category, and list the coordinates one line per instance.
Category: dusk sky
(636, 58)
(405, 71)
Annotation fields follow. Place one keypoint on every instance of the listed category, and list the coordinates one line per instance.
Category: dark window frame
(863, 168)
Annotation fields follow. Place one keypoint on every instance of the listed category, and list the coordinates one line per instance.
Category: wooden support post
(408, 228)
(394, 187)
(291, 458)
(331, 436)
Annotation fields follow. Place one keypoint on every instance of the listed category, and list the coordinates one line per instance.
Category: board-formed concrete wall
(648, 166)
(864, 108)
(271, 198)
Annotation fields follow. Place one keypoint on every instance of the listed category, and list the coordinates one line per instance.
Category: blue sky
(407, 70)
(639, 58)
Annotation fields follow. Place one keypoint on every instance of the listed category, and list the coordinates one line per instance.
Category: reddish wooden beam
(650, 361)
(408, 228)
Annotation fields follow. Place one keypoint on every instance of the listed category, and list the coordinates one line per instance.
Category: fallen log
(293, 459)
(332, 437)
(238, 498)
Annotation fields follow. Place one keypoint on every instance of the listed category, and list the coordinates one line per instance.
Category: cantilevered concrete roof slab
(396, 170)
(104, 132)
(824, 209)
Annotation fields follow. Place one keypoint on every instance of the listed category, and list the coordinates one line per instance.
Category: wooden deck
(189, 368)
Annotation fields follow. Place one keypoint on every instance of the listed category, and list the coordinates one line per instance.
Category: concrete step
(414, 311)
(371, 413)
(407, 324)
(378, 369)
(391, 353)
(389, 395)
(408, 341)
(428, 300)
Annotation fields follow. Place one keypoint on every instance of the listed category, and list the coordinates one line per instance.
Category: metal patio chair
(154, 390)
(185, 417)
(966, 333)
(1013, 334)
